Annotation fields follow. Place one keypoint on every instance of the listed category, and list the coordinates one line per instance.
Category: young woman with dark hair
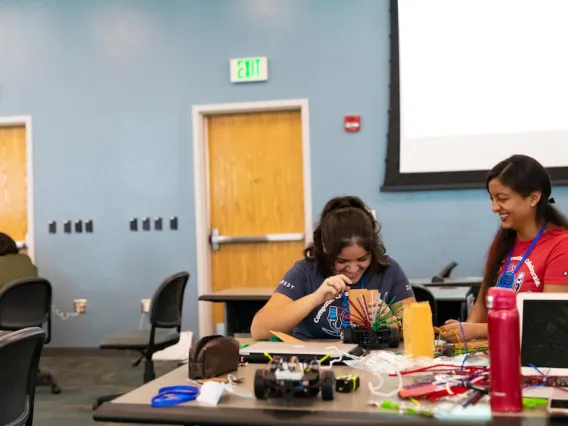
(13, 265)
(529, 252)
(346, 252)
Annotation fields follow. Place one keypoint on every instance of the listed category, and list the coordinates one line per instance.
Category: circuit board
(456, 349)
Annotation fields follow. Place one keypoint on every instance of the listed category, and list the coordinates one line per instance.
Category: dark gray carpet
(82, 379)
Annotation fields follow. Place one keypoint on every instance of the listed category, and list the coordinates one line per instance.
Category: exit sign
(244, 70)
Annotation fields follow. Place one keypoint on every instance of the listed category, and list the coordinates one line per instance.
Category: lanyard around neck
(529, 250)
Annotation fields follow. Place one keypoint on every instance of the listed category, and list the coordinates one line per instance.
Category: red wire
(354, 319)
(450, 366)
(443, 392)
(362, 304)
(365, 308)
(356, 310)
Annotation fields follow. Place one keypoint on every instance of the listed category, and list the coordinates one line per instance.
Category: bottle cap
(501, 298)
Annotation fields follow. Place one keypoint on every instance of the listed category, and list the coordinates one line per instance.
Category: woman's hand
(381, 307)
(331, 288)
(374, 308)
(451, 331)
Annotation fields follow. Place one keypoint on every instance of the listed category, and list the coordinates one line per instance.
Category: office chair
(27, 303)
(20, 352)
(165, 328)
(470, 299)
(422, 294)
(444, 273)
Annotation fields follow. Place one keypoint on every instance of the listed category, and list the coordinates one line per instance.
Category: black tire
(347, 335)
(394, 340)
(328, 385)
(259, 385)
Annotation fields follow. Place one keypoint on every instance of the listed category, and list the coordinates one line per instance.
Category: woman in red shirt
(529, 252)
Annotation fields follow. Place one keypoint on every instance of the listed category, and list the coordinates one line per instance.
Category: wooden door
(13, 187)
(256, 188)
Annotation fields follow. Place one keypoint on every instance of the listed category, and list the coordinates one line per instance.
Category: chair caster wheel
(55, 390)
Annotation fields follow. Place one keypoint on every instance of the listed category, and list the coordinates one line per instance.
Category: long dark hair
(523, 175)
(7, 245)
(344, 221)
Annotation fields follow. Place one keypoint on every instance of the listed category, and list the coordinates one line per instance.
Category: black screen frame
(542, 320)
(394, 180)
(559, 404)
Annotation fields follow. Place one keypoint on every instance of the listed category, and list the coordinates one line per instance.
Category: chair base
(45, 378)
(149, 375)
(105, 398)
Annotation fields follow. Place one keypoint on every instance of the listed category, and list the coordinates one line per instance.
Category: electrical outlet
(145, 305)
(80, 306)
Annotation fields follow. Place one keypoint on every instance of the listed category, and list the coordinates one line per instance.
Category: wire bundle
(384, 316)
(372, 316)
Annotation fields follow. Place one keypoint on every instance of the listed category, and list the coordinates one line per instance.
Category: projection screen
(472, 82)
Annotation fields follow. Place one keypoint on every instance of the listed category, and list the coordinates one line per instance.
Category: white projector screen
(480, 80)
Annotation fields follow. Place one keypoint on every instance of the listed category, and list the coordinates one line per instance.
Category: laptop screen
(545, 334)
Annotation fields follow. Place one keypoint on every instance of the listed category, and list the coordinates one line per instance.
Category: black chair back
(20, 352)
(26, 303)
(444, 273)
(422, 294)
(167, 303)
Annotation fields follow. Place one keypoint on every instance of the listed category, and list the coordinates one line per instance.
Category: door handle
(216, 240)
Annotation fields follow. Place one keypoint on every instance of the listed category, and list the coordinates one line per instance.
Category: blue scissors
(174, 395)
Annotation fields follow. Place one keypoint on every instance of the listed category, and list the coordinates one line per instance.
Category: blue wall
(110, 85)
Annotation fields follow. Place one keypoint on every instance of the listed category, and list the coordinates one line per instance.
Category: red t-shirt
(546, 264)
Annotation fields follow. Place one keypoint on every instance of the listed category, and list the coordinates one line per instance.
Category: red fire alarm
(352, 123)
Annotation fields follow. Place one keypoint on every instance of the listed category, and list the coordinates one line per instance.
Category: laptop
(305, 351)
(544, 333)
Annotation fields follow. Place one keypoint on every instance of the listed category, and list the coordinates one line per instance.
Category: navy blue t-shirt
(323, 322)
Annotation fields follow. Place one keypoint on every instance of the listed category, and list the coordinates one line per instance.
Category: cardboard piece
(418, 330)
(286, 338)
(354, 294)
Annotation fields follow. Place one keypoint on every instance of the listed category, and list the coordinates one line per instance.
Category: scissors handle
(188, 390)
(169, 396)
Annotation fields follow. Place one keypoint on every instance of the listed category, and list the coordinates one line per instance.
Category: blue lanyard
(344, 296)
(174, 395)
(361, 282)
(345, 302)
(507, 277)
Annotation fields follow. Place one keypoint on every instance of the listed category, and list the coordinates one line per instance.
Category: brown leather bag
(213, 356)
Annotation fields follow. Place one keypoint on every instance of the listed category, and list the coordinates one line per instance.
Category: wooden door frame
(26, 121)
(201, 185)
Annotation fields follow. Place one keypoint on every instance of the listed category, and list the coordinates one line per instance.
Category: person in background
(529, 252)
(346, 253)
(13, 265)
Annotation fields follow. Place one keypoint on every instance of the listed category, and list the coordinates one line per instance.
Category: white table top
(449, 294)
(441, 292)
(346, 408)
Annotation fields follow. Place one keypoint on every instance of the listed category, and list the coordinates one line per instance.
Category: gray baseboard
(85, 351)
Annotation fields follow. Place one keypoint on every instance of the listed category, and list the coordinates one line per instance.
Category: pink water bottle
(504, 351)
